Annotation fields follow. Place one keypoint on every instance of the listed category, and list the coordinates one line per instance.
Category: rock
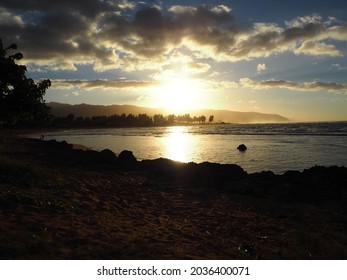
(90, 157)
(164, 167)
(93, 158)
(205, 173)
(127, 156)
(107, 156)
(242, 148)
(58, 146)
(219, 173)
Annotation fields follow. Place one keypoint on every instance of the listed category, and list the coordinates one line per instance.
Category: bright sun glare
(179, 94)
(178, 143)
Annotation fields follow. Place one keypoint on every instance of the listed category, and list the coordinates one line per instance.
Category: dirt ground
(54, 208)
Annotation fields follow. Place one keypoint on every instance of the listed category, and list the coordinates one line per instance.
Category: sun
(179, 94)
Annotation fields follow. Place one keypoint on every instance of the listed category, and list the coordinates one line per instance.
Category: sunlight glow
(178, 143)
(179, 94)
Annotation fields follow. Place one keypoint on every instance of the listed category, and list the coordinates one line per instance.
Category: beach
(59, 202)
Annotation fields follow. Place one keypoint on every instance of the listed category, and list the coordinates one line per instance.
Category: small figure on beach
(242, 148)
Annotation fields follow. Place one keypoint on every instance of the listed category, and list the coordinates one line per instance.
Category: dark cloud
(308, 86)
(149, 19)
(119, 34)
(88, 8)
(245, 82)
(104, 84)
(305, 32)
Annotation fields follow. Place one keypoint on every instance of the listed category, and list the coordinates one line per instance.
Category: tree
(158, 119)
(21, 99)
(171, 119)
(202, 119)
(210, 119)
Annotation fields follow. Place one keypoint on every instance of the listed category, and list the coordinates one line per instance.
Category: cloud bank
(131, 36)
(103, 84)
(307, 86)
(124, 84)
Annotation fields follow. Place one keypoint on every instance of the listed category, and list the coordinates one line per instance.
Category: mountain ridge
(88, 110)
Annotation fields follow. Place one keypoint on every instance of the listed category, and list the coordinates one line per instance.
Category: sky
(278, 57)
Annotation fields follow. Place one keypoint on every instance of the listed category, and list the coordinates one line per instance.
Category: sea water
(275, 147)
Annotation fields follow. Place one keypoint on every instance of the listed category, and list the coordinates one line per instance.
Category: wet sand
(60, 203)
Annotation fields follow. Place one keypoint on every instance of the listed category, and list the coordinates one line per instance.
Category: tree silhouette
(21, 99)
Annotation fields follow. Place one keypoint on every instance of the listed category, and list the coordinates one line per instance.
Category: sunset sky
(283, 57)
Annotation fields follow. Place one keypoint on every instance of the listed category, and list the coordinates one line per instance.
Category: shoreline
(272, 153)
(60, 203)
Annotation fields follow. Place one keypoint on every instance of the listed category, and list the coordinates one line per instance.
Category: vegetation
(21, 99)
(128, 120)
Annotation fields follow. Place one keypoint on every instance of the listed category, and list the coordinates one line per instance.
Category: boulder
(107, 156)
(242, 148)
(219, 173)
(205, 173)
(127, 156)
(164, 167)
(93, 158)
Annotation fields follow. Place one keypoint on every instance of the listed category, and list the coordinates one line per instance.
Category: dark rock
(127, 156)
(205, 173)
(163, 167)
(107, 156)
(93, 158)
(242, 148)
(220, 172)
(53, 144)
(292, 174)
(90, 157)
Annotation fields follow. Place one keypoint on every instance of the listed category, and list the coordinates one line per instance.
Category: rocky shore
(59, 202)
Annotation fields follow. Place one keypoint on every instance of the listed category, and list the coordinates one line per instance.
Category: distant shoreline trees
(129, 120)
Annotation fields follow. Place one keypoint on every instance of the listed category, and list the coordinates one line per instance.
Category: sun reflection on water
(178, 143)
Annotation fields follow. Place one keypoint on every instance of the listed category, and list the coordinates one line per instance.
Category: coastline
(60, 203)
(277, 148)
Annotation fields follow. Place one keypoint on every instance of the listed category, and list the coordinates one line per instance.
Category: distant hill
(86, 110)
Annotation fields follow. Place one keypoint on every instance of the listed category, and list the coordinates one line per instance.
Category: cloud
(306, 86)
(261, 67)
(305, 20)
(338, 67)
(89, 8)
(220, 85)
(176, 9)
(8, 19)
(318, 49)
(124, 84)
(131, 36)
(221, 9)
(102, 84)
(198, 67)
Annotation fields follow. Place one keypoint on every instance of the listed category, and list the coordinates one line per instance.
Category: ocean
(275, 147)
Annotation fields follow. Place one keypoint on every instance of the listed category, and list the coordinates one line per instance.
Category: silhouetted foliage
(126, 120)
(21, 99)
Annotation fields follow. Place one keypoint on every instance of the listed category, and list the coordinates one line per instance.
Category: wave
(287, 129)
